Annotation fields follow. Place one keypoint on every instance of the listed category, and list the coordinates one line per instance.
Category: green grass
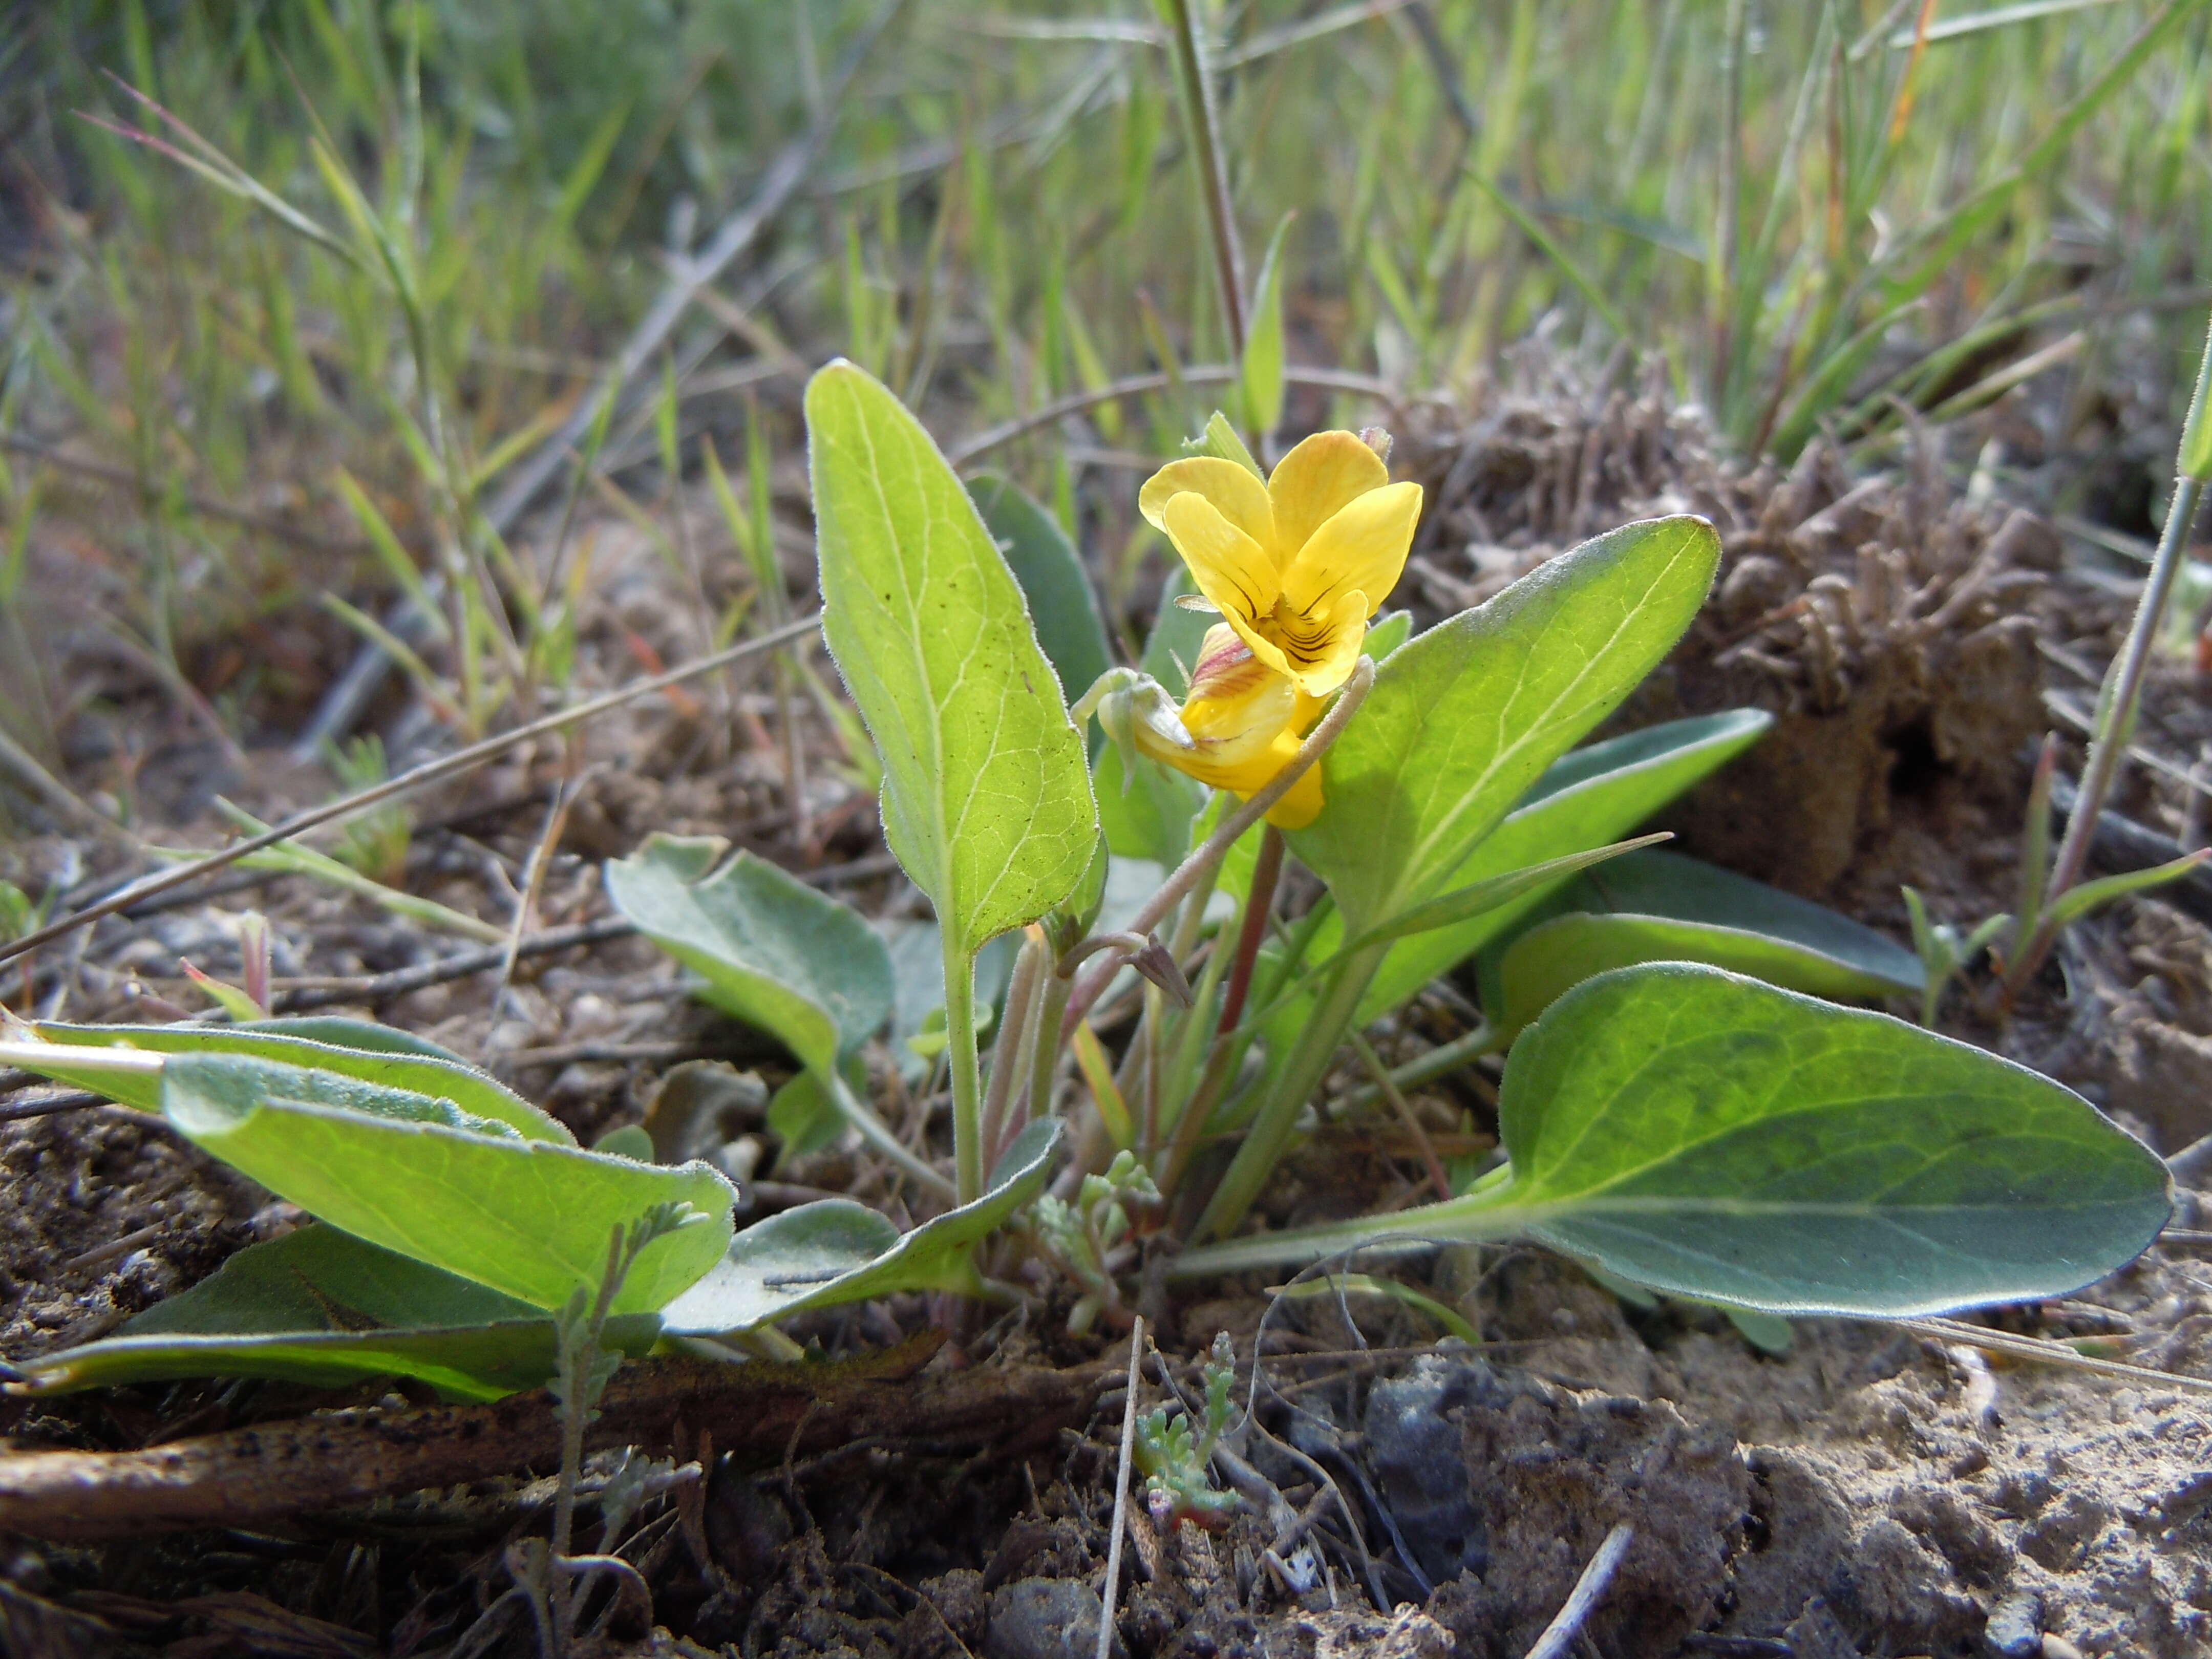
(1801, 212)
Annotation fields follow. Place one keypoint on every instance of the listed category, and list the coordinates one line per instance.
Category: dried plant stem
(1137, 385)
(1121, 1491)
(1187, 43)
(445, 765)
(1561, 1635)
(1404, 1108)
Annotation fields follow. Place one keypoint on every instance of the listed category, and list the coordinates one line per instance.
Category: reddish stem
(1259, 904)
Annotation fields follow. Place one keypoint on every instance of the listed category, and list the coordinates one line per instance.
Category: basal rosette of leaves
(1688, 1102)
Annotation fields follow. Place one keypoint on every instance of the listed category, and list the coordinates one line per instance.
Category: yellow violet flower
(1296, 565)
(1238, 727)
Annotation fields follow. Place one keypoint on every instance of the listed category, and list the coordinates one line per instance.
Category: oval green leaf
(320, 1307)
(1717, 1138)
(1465, 718)
(1661, 907)
(987, 798)
(462, 1193)
(1548, 961)
(366, 1058)
(1711, 1136)
(835, 1251)
(770, 949)
(1584, 799)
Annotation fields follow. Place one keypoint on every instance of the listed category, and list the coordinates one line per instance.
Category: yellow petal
(1362, 546)
(1314, 482)
(1297, 809)
(1238, 704)
(1231, 569)
(1323, 650)
(1236, 494)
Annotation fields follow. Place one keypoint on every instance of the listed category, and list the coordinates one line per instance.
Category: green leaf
(422, 1176)
(2077, 902)
(1151, 817)
(1548, 961)
(321, 1307)
(1053, 580)
(631, 1140)
(773, 952)
(369, 1056)
(986, 799)
(1463, 719)
(1478, 898)
(1709, 1135)
(1717, 1138)
(1661, 907)
(835, 1251)
(1260, 376)
(1391, 630)
(804, 1116)
(1221, 441)
(341, 1032)
(1586, 798)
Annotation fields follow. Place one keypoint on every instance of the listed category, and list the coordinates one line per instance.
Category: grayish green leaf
(417, 1068)
(826, 1253)
(1053, 580)
(1717, 1138)
(771, 950)
(320, 1307)
(420, 1176)
(1660, 906)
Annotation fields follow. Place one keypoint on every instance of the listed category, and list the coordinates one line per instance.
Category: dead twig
(1559, 1636)
(252, 1476)
(460, 760)
(1121, 1493)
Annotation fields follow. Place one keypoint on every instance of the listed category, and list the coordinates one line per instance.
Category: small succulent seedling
(1176, 1461)
(1089, 1239)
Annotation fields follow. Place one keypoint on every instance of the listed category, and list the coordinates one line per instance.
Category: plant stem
(2122, 688)
(1006, 1047)
(967, 1082)
(1404, 1109)
(1192, 870)
(1187, 44)
(1301, 1075)
(578, 1403)
(1437, 1062)
(1045, 1047)
(1259, 903)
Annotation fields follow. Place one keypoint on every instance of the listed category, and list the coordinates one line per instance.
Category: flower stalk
(2123, 688)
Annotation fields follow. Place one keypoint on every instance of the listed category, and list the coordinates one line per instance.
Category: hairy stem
(1007, 1056)
(1044, 1047)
